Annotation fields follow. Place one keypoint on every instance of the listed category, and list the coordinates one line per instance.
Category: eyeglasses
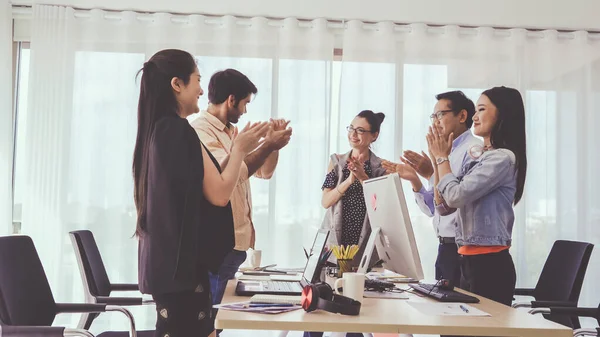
(438, 115)
(360, 131)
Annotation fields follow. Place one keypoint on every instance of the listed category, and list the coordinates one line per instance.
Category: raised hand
(421, 163)
(278, 135)
(279, 124)
(439, 146)
(405, 171)
(251, 137)
(357, 168)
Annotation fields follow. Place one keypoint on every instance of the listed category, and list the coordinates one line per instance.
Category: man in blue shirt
(453, 113)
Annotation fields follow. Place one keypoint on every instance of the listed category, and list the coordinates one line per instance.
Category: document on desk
(447, 309)
(385, 294)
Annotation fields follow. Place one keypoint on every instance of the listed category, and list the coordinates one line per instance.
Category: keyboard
(442, 295)
(281, 286)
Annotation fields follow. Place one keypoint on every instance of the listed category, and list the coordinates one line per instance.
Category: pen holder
(344, 265)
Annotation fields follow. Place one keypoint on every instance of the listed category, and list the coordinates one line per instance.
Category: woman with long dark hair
(486, 192)
(184, 220)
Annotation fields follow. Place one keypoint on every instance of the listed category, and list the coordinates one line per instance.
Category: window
(20, 135)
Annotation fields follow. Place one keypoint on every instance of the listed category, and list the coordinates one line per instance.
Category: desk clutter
(261, 308)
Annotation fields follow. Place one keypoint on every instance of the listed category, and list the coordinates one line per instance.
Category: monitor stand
(369, 248)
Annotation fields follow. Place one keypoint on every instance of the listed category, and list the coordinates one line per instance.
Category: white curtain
(558, 75)
(6, 118)
(81, 124)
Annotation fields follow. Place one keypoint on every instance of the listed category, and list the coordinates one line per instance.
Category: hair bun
(149, 65)
(380, 116)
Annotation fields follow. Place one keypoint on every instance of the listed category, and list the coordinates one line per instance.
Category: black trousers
(489, 275)
(492, 276)
(447, 264)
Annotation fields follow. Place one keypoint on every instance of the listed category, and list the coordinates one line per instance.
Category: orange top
(479, 250)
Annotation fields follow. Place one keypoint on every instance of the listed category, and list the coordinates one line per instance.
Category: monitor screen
(395, 241)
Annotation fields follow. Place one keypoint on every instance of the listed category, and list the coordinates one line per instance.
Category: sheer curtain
(558, 75)
(81, 124)
(81, 128)
(6, 118)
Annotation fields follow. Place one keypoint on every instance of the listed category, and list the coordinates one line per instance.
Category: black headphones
(321, 296)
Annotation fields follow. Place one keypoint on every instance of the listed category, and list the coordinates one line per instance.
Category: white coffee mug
(255, 258)
(353, 284)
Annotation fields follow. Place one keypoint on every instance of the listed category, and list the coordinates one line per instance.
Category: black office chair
(567, 310)
(27, 306)
(560, 281)
(95, 280)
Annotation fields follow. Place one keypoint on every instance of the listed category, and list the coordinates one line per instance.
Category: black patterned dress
(354, 208)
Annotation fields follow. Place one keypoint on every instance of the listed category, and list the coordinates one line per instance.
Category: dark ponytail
(156, 101)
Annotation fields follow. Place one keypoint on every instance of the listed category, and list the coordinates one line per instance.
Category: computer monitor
(392, 234)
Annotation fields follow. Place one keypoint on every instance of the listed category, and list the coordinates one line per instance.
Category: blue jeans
(227, 270)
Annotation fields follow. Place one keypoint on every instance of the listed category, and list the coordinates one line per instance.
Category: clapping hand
(278, 135)
(357, 169)
(439, 146)
(421, 163)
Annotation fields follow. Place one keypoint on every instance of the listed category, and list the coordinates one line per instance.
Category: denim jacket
(484, 197)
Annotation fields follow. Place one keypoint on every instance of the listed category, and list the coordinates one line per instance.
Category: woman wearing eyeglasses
(343, 197)
(342, 190)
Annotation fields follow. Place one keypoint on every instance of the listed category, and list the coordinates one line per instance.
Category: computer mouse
(445, 284)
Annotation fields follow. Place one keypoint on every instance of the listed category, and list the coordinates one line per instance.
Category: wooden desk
(394, 316)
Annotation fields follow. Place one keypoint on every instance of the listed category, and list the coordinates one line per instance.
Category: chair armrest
(524, 292)
(579, 312)
(80, 307)
(548, 304)
(586, 332)
(119, 300)
(31, 331)
(521, 305)
(96, 307)
(124, 287)
(77, 333)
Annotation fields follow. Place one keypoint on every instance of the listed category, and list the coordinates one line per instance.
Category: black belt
(446, 240)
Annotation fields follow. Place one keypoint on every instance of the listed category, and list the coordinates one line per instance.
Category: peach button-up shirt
(218, 138)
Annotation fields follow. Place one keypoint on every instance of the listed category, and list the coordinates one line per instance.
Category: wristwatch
(441, 160)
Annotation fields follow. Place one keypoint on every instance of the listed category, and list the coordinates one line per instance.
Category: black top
(353, 204)
(185, 235)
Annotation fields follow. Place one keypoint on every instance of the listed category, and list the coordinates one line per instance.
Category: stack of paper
(389, 276)
(258, 308)
(276, 299)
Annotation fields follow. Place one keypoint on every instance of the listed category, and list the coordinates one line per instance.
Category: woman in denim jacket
(486, 191)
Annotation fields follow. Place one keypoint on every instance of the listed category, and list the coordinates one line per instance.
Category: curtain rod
(25, 11)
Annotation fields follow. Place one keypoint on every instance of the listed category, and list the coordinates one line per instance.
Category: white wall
(560, 14)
